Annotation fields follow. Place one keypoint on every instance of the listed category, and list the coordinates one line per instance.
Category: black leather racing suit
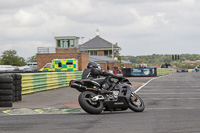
(92, 73)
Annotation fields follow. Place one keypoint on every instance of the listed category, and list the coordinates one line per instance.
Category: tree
(9, 57)
(32, 59)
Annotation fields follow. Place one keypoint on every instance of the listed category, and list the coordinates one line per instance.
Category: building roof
(65, 37)
(102, 59)
(98, 43)
(126, 62)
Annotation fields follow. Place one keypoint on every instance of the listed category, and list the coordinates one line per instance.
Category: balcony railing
(46, 50)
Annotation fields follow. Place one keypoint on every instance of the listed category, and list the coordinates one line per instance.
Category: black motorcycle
(108, 94)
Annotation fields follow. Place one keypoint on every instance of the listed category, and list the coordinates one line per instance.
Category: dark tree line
(158, 60)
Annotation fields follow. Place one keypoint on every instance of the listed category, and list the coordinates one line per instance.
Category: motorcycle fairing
(120, 104)
(123, 98)
(125, 90)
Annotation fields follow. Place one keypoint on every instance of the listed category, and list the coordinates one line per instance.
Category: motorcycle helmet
(99, 67)
(92, 65)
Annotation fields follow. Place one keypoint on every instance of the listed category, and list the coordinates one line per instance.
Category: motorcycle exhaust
(78, 87)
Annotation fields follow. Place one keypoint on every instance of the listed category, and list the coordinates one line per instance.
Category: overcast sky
(140, 27)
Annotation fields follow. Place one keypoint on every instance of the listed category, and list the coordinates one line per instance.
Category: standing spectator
(196, 68)
(166, 65)
(108, 68)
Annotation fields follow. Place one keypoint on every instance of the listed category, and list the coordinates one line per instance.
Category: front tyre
(89, 106)
(136, 103)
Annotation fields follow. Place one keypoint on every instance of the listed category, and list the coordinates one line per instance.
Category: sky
(140, 27)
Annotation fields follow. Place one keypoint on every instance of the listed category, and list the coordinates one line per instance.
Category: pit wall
(36, 82)
(192, 70)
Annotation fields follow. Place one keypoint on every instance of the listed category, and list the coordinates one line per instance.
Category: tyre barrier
(13, 86)
(17, 93)
(10, 89)
(6, 91)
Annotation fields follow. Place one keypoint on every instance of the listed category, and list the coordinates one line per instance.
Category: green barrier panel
(78, 75)
(39, 82)
(27, 83)
(70, 76)
(165, 71)
(62, 79)
(36, 82)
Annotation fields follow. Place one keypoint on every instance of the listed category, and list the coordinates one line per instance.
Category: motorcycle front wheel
(136, 103)
(89, 106)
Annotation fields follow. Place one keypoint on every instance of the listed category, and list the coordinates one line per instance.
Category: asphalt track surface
(57, 101)
(172, 106)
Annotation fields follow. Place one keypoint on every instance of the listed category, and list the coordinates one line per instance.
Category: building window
(93, 52)
(107, 52)
(59, 64)
(117, 53)
(58, 44)
(62, 43)
(69, 43)
(69, 63)
(48, 66)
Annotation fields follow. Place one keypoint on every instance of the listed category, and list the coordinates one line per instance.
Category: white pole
(112, 52)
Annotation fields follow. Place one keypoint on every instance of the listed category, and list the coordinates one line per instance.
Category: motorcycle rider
(93, 72)
(196, 68)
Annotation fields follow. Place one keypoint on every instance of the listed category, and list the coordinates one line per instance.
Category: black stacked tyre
(17, 92)
(6, 91)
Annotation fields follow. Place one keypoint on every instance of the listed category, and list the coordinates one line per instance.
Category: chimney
(97, 32)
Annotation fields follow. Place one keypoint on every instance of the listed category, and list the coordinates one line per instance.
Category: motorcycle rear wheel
(136, 103)
(88, 105)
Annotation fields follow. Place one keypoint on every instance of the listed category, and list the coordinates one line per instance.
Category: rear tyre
(136, 103)
(88, 105)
